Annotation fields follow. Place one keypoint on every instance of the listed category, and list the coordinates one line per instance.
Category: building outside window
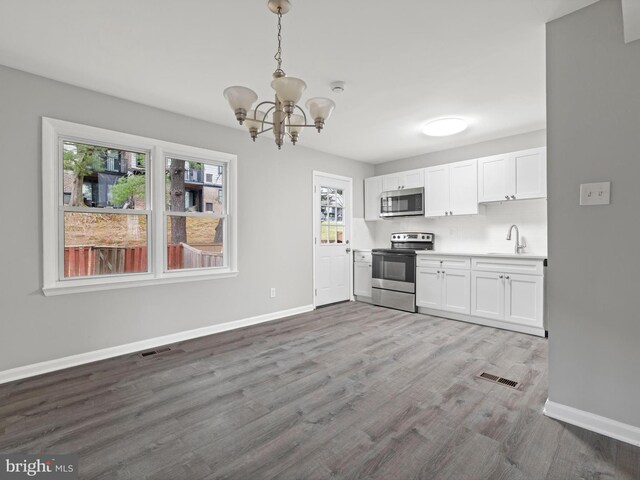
(103, 229)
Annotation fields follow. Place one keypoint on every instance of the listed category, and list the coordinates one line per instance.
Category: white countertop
(524, 256)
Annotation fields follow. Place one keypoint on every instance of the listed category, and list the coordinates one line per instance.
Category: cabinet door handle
(501, 276)
(507, 277)
(450, 213)
(513, 197)
(446, 213)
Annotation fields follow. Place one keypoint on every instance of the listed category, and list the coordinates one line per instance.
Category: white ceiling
(404, 62)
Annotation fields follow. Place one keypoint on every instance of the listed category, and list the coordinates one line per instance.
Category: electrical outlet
(272, 293)
(595, 193)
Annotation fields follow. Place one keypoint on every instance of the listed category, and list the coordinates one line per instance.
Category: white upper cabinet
(436, 195)
(493, 178)
(463, 179)
(530, 173)
(403, 180)
(513, 176)
(451, 189)
(372, 191)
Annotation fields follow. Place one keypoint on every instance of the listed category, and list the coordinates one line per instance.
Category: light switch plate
(595, 193)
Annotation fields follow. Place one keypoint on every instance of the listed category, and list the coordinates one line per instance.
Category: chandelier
(284, 116)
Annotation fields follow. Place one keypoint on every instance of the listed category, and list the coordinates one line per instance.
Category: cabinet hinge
(316, 292)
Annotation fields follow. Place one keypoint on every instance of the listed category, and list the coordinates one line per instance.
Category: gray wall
(593, 130)
(477, 150)
(275, 228)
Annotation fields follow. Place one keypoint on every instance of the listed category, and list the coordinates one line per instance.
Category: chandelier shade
(279, 117)
(289, 89)
(320, 107)
(254, 119)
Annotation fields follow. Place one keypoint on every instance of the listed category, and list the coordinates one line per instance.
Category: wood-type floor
(349, 391)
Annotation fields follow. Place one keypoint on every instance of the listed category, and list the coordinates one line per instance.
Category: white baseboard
(504, 325)
(88, 357)
(595, 423)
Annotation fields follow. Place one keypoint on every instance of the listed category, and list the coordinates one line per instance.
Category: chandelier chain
(278, 55)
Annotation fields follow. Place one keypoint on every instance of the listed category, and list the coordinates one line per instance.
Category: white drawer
(461, 263)
(362, 257)
(508, 265)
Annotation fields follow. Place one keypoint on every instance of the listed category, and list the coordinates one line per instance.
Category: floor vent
(500, 380)
(148, 353)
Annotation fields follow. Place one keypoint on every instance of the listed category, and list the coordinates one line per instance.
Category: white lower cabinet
(428, 288)
(446, 290)
(487, 295)
(499, 295)
(362, 266)
(508, 296)
(524, 299)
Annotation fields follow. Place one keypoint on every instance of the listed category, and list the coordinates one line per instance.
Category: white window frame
(53, 133)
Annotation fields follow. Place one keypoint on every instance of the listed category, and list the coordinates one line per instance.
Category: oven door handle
(382, 254)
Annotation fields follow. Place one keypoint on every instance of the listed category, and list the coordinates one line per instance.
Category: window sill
(64, 288)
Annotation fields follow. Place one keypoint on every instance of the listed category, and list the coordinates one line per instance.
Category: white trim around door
(315, 235)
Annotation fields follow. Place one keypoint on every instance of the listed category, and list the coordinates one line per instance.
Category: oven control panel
(412, 237)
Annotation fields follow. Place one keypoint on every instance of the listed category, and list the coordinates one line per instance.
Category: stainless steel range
(394, 270)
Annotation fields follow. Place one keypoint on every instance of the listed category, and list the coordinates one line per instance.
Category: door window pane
(104, 244)
(331, 215)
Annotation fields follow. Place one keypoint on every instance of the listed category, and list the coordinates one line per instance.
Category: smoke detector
(337, 87)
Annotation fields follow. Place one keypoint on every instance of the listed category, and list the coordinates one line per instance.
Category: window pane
(324, 233)
(104, 244)
(194, 187)
(103, 177)
(339, 233)
(194, 242)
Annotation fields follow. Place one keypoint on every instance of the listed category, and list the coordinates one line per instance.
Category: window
(331, 215)
(104, 229)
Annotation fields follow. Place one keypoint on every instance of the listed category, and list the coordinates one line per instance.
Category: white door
(372, 191)
(494, 180)
(463, 193)
(523, 299)
(530, 173)
(332, 219)
(428, 288)
(436, 191)
(487, 295)
(455, 291)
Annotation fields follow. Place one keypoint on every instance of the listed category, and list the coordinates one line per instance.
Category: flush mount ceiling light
(284, 116)
(444, 127)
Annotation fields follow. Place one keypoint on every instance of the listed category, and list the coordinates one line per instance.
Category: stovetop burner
(408, 243)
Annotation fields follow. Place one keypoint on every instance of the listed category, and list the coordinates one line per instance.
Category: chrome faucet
(519, 246)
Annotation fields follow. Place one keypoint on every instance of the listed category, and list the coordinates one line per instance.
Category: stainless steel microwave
(402, 203)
